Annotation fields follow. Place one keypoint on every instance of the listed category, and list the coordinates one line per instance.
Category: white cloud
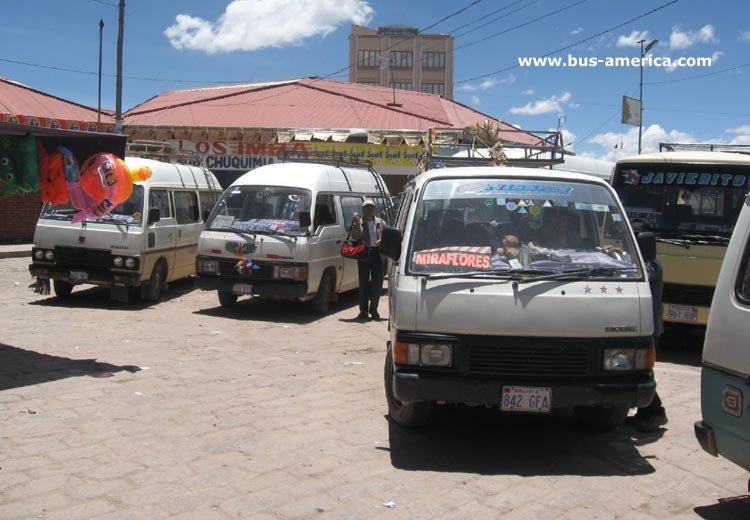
(553, 104)
(616, 145)
(576, 31)
(679, 40)
(569, 138)
(475, 101)
(744, 36)
(487, 84)
(632, 39)
(715, 56)
(742, 129)
(248, 25)
(528, 92)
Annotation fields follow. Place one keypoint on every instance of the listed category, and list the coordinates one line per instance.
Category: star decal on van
(603, 289)
(587, 290)
(618, 289)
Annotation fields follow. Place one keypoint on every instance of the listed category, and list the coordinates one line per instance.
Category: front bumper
(411, 386)
(706, 438)
(282, 289)
(108, 278)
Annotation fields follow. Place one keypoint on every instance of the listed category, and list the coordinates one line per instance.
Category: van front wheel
(227, 299)
(408, 415)
(62, 288)
(602, 418)
(152, 289)
(322, 300)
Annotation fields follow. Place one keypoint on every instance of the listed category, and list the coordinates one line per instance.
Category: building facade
(399, 56)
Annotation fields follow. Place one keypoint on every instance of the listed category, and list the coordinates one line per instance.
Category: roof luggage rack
(704, 147)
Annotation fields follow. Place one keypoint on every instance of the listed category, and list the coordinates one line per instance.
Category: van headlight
(619, 359)
(429, 354)
(49, 255)
(207, 266)
(130, 263)
(117, 261)
(39, 254)
(291, 273)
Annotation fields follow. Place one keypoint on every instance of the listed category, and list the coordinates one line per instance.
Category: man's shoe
(649, 421)
(362, 316)
(375, 316)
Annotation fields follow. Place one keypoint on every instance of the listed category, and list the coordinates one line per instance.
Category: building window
(401, 86)
(433, 60)
(368, 59)
(369, 83)
(402, 59)
(434, 88)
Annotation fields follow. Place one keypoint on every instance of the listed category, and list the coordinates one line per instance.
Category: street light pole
(99, 106)
(118, 88)
(644, 51)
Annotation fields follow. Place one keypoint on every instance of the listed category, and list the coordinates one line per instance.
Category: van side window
(160, 199)
(403, 210)
(186, 207)
(325, 211)
(349, 206)
(743, 278)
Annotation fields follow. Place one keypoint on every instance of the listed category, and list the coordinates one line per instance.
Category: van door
(188, 219)
(161, 237)
(350, 204)
(325, 244)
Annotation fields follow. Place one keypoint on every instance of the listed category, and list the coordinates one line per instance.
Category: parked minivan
(725, 378)
(519, 288)
(145, 242)
(277, 232)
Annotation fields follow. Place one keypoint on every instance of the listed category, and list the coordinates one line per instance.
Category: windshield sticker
(584, 206)
(600, 207)
(523, 211)
(633, 178)
(501, 201)
(616, 217)
(535, 210)
(515, 189)
(547, 204)
(222, 221)
(476, 257)
(511, 206)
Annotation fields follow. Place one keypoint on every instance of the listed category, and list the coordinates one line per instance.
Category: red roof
(306, 103)
(16, 98)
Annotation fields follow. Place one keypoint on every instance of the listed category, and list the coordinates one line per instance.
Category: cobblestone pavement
(185, 410)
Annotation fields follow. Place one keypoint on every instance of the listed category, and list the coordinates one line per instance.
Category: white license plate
(242, 288)
(679, 313)
(79, 276)
(526, 399)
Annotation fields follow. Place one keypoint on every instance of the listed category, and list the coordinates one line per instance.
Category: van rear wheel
(602, 418)
(62, 288)
(227, 299)
(408, 415)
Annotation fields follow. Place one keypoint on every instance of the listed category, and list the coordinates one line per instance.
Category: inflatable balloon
(245, 267)
(52, 185)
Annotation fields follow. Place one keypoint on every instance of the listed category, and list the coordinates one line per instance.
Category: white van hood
(546, 308)
(256, 247)
(53, 233)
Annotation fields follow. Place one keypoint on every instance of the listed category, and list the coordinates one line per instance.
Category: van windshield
(254, 209)
(129, 212)
(497, 225)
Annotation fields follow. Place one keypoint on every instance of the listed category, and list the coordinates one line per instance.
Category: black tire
(62, 288)
(227, 299)
(602, 418)
(152, 289)
(322, 300)
(408, 415)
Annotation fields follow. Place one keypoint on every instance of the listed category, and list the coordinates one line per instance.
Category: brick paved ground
(184, 410)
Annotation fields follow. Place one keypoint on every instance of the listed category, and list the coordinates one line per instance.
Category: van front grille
(265, 271)
(79, 257)
(529, 359)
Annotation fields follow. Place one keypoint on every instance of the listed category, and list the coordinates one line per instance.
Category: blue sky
(313, 40)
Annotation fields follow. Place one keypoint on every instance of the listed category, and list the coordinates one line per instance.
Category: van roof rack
(331, 158)
(704, 147)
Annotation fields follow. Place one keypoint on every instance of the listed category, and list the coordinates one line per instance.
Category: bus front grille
(681, 294)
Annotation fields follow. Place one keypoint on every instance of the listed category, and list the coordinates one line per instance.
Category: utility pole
(118, 102)
(99, 106)
(644, 51)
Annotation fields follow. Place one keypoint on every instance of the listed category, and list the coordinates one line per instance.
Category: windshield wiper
(574, 274)
(486, 273)
(232, 230)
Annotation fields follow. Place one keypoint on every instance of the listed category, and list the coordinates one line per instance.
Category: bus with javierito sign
(691, 200)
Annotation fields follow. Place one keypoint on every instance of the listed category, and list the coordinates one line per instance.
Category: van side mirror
(390, 243)
(647, 243)
(154, 216)
(304, 219)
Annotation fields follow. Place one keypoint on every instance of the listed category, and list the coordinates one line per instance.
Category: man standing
(370, 266)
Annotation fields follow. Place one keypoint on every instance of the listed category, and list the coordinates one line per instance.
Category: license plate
(242, 288)
(679, 313)
(79, 276)
(526, 399)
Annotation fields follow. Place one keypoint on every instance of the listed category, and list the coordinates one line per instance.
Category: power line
(614, 28)
(551, 13)
(697, 76)
(493, 20)
(104, 3)
(456, 13)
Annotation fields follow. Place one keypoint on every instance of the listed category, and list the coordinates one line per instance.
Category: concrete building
(398, 56)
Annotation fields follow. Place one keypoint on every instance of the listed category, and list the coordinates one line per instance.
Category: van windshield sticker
(634, 178)
(514, 190)
(222, 221)
(455, 256)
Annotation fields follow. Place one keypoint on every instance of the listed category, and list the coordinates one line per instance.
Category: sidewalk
(15, 251)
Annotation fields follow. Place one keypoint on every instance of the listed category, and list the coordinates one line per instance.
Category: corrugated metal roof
(16, 98)
(307, 103)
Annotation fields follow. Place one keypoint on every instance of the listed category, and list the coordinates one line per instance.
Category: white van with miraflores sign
(519, 288)
(146, 242)
(277, 232)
